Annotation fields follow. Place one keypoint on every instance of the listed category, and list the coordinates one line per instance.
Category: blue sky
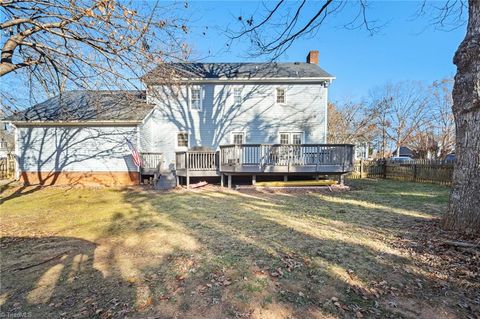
(407, 47)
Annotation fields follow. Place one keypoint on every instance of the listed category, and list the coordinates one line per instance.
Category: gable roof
(237, 71)
(404, 151)
(88, 106)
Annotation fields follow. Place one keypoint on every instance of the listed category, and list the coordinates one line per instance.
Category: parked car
(401, 160)
(449, 158)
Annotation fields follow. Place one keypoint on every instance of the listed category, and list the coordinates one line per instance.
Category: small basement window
(238, 138)
(195, 99)
(281, 98)
(182, 139)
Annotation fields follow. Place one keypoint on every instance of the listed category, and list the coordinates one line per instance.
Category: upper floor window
(237, 96)
(238, 138)
(195, 99)
(281, 95)
(182, 139)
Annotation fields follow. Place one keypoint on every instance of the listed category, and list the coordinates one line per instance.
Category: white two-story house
(194, 119)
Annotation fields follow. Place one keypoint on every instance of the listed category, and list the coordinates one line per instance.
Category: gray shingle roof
(236, 71)
(88, 106)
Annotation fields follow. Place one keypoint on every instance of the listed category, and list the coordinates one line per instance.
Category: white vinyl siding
(258, 116)
(75, 149)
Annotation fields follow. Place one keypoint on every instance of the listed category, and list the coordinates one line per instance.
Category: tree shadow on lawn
(223, 255)
(54, 277)
(261, 259)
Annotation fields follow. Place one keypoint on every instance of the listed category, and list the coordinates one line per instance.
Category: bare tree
(442, 120)
(291, 24)
(350, 123)
(61, 44)
(399, 110)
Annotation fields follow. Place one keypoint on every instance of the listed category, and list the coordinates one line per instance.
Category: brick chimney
(312, 57)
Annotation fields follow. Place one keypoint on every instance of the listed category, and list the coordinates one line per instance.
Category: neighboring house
(6, 141)
(3, 148)
(404, 152)
(80, 137)
(362, 151)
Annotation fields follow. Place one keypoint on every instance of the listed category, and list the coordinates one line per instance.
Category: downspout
(137, 129)
(325, 129)
(16, 152)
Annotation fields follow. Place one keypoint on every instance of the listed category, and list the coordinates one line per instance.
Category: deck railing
(267, 158)
(151, 162)
(197, 160)
(335, 156)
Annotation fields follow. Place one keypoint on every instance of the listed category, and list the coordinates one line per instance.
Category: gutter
(318, 80)
(73, 123)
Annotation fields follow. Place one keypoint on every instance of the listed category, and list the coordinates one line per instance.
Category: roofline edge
(318, 80)
(72, 123)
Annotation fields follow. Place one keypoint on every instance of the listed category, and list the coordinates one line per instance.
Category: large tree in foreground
(464, 208)
(283, 23)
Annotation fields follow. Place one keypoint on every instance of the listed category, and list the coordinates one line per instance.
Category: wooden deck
(197, 163)
(286, 159)
(266, 159)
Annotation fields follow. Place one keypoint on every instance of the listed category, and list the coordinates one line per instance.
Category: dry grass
(137, 253)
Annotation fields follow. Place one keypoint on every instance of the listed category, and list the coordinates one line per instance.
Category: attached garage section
(80, 138)
(76, 155)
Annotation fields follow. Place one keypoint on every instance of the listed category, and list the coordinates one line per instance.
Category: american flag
(137, 159)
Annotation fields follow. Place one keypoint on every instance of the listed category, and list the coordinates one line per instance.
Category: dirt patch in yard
(373, 252)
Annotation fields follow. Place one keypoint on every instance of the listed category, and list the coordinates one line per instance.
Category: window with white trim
(237, 96)
(195, 99)
(296, 138)
(281, 96)
(238, 138)
(290, 138)
(182, 139)
(284, 138)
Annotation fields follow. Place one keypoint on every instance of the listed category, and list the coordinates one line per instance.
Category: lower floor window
(182, 139)
(291, 138)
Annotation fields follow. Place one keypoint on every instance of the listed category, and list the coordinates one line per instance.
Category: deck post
(229, 181)
(342, 179)
(188, 181)
(361, 168)
(316, 177)
(177, 178)
(254, 179)
(285, 178)
(221, 179)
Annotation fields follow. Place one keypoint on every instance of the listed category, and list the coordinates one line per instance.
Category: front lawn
(371, 252)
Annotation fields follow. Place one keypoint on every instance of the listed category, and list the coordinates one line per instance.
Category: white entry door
(291, 152)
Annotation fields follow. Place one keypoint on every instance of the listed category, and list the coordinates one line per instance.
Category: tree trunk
(464, 209)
